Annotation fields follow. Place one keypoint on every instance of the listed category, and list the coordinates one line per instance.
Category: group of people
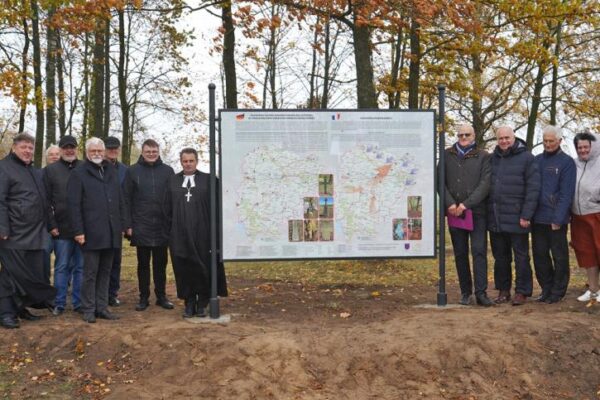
(512, 194)
(88, 206)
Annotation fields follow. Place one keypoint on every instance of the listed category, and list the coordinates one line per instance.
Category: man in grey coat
(467, 173)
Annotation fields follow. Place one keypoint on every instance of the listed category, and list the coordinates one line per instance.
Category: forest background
(139, 69)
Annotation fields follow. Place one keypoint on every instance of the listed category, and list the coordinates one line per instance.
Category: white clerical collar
(188, 181)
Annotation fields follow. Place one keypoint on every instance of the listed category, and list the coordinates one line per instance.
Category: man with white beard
(96, 210)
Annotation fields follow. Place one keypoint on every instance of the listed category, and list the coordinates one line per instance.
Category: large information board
(327, 184)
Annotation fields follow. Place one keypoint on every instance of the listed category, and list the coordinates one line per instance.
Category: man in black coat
(511, 204)
(23, 224)
(113, 150)
(144, 190)
(188, 207)
(96, 211)
(68, 264)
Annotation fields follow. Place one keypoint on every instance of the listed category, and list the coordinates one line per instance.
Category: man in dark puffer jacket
(512, 202)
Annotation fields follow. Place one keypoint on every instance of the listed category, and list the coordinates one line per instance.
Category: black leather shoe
(164, 303)
(542, 297)
(78, 310)
(201, 312)
(553, 299)
(114, 302)
(190, 308)
(483, 300)
(9, 322)
(106, 315)
(90, 318)
(465, 299)
(28, 316)
(142, 305)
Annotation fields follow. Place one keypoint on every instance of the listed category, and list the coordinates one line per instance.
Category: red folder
(465, 221)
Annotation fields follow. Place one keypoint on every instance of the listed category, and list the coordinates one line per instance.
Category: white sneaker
(587, 296)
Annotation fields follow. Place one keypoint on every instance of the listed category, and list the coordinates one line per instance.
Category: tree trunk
(37, 79)
(86, 86)
(62, 127)
(229, 56)
(414, 66)
(25, 66)
(393, 98)
(554, 97)
(476, 97)
(535, 104)
(328, 52)
(122, 85)
(106, 118)
(97, 98)
(365, 89)
(51, 47)
(273, 61)
(312, 90)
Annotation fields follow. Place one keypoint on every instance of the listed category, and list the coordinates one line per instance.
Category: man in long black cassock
(23, 237)
(188, 207)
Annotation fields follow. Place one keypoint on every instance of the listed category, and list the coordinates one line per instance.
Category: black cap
(112, 142)
(67, 140)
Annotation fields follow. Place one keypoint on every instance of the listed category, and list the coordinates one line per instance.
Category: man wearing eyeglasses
(145, 185)
(467, 173)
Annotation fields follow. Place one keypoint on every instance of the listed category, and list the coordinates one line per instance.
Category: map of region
(274, 183)
(372, 183)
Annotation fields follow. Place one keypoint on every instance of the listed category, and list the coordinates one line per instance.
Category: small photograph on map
(415, 207)
(311, 207)
(400, 228)
(295, 230)
(311, 230)
(326, 230)
(415, 229)
(326, 207)
(325, 185)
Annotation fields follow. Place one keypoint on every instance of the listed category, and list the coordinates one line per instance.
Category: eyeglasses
(463, 135)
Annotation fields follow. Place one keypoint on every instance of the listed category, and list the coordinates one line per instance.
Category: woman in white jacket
(585, 222)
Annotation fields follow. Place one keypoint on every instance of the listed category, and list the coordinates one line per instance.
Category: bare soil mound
(289, 341)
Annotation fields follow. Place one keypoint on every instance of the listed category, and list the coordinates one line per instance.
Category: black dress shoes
(9, 322)
(28, 316)
(542, 297)
(90, 318)
(106, 315)
(190, 308)
(164, 303)
(553, 299)
(142, 305)
(465, 299)
(483, 300)
(114, 302)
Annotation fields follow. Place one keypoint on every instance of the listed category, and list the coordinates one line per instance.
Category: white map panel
(327, 184)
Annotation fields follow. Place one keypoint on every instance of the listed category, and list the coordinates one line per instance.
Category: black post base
(442, 299)
(214, 308)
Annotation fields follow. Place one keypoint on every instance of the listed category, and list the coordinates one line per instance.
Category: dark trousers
(552, 273)
(115, 274)
(460, 243)
(159, 270)
(504, 245)
(96, 275)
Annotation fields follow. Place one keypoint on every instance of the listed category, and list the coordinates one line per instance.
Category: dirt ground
(292, 341)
